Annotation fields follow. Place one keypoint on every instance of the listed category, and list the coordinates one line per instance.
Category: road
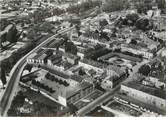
(15, 75)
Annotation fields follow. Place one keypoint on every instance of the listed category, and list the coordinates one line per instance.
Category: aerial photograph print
(83, 58)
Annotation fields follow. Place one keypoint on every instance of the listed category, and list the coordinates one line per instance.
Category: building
(37, 59)
(156, 82)
(79, 92)
(137, 50)
(90, 64)
(150, 95)
(137, 105)
(75, 90)
(115, 75)
(55, 59)
(73, 59)
(40, 57)
(118, 55)
(62, 86)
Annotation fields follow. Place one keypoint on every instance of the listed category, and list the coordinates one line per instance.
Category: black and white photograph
(83, 58)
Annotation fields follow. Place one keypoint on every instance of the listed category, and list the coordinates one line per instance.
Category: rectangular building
(149, 95)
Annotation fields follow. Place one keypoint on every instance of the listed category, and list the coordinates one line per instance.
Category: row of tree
(53, 78)
(43, 86)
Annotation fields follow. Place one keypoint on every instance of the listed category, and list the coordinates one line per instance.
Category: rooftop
(149, 90)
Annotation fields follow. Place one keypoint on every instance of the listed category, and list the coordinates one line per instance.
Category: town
(83, 58)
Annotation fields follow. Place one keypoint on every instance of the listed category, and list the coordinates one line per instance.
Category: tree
(104, 35)
(144, 70)
(28, 67)
(49, 52)
(72, 108)
(70, 47)
(103, 22)
(47, 75)
(81, 72)
(3, 37)
(31, 34)
(3, 76)
(134, 42)
(143, 24)
(132, 18)
(12, 34)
